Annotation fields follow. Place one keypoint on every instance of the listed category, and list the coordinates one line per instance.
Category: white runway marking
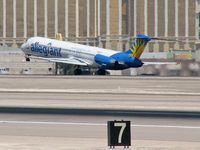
(95, 124)
(102, 91)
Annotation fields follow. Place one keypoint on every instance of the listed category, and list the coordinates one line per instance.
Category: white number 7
(123, 126)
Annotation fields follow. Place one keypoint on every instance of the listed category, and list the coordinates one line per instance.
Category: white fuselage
(50, 48)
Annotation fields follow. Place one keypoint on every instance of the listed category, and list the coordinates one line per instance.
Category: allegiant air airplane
(83, 55)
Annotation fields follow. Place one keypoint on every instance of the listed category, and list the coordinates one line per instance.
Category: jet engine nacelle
(109, 63)
(103, 60)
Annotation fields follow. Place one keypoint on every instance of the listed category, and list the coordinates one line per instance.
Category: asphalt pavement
(76, 131)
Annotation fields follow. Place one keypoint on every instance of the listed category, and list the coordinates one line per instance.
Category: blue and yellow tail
(139, 45)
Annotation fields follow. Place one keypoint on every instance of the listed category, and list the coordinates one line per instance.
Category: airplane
(83, 55)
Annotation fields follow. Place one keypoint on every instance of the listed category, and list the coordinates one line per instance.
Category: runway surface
(101, 92)
(89, 132)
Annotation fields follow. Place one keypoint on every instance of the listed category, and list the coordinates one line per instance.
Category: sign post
(119, 133)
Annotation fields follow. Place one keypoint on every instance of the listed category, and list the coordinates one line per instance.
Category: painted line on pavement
(95, 124)
(101, 91)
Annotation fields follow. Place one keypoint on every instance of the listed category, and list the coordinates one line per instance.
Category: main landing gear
(101, 72)
(78, 71)
(81, 71)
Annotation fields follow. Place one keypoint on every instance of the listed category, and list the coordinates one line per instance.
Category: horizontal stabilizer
(160, 63)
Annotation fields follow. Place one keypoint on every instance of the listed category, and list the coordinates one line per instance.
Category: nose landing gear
(27, 57)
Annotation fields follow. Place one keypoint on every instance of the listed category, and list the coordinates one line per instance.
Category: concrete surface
(80, 132)
(101, 92)
(66, 132)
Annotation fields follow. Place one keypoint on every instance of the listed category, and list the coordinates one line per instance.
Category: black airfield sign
(119, 133)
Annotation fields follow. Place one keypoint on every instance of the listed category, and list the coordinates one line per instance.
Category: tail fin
(139, 45)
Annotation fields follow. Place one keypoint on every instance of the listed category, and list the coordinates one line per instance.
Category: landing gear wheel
(101, 72)
(27, 59)
(77, 72)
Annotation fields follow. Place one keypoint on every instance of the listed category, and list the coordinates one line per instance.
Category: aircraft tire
(101, 72)
(77, 72)
(27, 59)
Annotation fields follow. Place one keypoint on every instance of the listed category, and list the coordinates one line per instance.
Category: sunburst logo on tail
(139, 45)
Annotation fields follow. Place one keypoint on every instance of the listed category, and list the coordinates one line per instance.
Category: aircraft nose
(23, 47)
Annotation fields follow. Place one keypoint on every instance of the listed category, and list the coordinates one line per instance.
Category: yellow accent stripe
(138, 50)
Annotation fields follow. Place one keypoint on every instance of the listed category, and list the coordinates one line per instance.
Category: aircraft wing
(70, 60)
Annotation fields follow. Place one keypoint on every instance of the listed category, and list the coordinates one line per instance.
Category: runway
(101, 92)
(82, 132)
(90, 132)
